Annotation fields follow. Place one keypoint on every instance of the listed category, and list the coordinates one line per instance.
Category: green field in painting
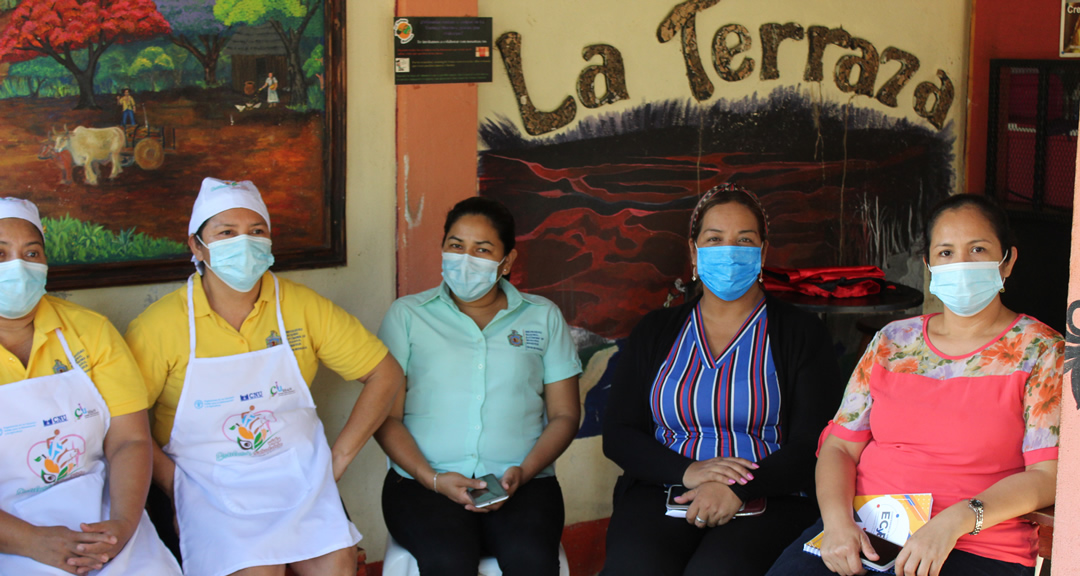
(72, 241)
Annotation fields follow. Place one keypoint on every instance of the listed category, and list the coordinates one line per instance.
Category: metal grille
(1031, 139)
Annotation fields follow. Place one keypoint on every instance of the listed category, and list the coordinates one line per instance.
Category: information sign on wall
(442, 50)
(1069, 45)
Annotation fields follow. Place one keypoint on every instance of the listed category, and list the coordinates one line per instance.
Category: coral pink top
(955, 425)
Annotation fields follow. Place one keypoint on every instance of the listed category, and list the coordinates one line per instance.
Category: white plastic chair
(398, 562)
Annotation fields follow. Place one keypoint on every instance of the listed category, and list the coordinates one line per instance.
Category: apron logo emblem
(198, 404)
(56, 458)
(250, 430)
(55, 420)
(81, 412)
(274, 339)
(252, 396)
(515, 339)
(279, 390)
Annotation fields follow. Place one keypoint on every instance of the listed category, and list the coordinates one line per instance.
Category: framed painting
(111, 116)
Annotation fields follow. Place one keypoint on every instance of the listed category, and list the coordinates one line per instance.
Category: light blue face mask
(966, 288)
(469, 277)
(241, 261)
(729, 271)
(22, 284)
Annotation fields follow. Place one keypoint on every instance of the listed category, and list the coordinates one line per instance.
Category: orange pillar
(436, 158)
(1066, 558)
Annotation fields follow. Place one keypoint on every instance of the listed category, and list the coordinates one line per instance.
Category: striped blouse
(706, 405)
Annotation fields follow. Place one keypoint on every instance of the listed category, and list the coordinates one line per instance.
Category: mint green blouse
(475, 398)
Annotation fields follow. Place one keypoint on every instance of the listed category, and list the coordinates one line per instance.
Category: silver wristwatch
(976, 506)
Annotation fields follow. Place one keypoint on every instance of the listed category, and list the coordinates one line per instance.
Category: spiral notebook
(894, 517)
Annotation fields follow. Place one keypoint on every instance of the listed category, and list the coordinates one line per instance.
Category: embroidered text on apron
(52, 449)
(254, 484)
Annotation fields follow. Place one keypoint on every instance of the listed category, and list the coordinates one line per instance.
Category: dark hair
(994, 214)
(726, 194)
(500, 217)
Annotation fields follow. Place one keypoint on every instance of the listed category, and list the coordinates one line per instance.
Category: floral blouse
(1027, 346)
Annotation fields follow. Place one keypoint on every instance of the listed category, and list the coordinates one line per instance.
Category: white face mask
(22, 284)
(469, 277)
(966, 288)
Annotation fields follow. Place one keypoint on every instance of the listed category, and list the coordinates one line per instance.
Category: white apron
(52, 469)
(254, 482)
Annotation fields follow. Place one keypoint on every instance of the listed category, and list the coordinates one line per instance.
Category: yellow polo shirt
(96, 345)
(317, 330)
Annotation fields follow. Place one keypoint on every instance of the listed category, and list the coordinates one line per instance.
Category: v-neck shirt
(707, 403)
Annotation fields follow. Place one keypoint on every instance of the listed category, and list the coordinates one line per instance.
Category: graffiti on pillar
(1072, 352)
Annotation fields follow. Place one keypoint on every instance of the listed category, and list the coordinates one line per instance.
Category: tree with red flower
(60, 29)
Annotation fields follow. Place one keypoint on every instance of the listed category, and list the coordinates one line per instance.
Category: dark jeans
(795, 562)
(641, 540)
(448, 540)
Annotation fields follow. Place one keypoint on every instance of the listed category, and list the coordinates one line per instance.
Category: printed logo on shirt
(251, 431)
(515, 339)
(81, 412)
(59, 419)
(56, 459)
(534, 340)
(274, 339)
(279, 390)
(59, 367)
(213, 402)
(251, 396)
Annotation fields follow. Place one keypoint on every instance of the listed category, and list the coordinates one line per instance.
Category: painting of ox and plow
(112, 113)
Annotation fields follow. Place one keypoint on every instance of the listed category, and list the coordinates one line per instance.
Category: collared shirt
(96, 345)
(475, 398)
(706, 405)
(318, 330)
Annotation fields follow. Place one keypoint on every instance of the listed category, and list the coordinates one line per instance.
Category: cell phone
(672, 493)
(494, 492)
(887, 552)
(754, 507)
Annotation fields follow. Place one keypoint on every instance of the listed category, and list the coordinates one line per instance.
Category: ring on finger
(699, 520)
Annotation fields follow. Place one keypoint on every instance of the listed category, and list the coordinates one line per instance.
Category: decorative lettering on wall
(868, 68)
(722, 53)
(611, 66)
(772, 34)
(943, 98)
(931, 100)
(683, 18)
(909, 65)
(536, 122)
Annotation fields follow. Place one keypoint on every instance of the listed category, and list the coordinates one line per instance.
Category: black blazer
(810, 390)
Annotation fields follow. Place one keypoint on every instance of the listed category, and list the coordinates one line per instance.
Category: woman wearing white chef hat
(228, 361)
(75, 444)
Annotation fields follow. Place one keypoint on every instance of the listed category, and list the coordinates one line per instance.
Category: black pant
(641, 540)
(448, 540)
(795, 562)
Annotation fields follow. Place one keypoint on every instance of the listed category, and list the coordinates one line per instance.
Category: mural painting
(603, 198)
(111, 114)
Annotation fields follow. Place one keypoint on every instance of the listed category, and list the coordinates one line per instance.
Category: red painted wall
(1002, 29)
(436, 155)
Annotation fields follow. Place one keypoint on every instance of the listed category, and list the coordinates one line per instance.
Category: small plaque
(451, 50)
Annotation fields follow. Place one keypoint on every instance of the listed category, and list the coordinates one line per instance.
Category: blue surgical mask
(729, 271)
(241, 261)
(22, 284)
(469, 277)
(966, 288)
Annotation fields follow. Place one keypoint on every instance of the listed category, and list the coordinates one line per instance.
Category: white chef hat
(217, 196)
(23, 210)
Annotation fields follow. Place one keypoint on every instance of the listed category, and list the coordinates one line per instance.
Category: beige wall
(366, 286)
